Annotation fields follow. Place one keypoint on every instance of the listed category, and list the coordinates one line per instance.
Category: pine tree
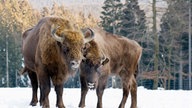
(128, 23)
(15, 16)
(174, 42)
(132, 21)
(110, 16)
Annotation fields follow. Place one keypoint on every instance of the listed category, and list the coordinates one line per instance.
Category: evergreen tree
(174, 42)
(132, 21)
(110, 16)
(15, 16)
(128, 20)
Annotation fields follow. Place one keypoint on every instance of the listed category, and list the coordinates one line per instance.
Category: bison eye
(65, 49)
(83, 49)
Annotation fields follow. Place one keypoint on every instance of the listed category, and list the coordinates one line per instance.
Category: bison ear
(88, 35)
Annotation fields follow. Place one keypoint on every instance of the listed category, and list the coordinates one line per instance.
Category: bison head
(93, 62)
(92, 70)
(70, 44)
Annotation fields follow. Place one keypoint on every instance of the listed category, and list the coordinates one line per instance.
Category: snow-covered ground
(20, 98)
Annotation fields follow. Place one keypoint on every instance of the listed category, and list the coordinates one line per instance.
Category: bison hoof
(33, 103)
(60, 106)
(81, 106)
(45, 106)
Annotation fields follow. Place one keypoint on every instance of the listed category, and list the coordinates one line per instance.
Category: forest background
(161, 27)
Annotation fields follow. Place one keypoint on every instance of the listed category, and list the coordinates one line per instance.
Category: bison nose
(91, 85)
(74, 64)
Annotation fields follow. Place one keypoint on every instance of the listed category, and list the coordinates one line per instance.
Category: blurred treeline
(165, 59)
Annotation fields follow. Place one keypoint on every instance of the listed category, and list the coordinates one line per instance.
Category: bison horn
(88, 34)
(55, 36)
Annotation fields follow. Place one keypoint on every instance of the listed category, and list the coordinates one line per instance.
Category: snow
(21, 97)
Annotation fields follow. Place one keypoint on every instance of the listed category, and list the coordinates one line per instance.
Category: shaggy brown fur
(90, 49)
(46, 58)
(123, 56)
(47, 43)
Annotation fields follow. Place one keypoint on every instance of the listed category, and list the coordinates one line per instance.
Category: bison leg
(84, 90)
(44, 90)
(100, 89)
(133, 93)
(59, 93)
(41, 95)
(125, 95)
(125, 77)
(34, 83)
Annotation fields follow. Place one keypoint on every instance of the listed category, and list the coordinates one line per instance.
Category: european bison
(52, 51)
(109, 54)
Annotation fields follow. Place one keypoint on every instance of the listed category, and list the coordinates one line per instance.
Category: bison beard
(121, 57)
(51, 51)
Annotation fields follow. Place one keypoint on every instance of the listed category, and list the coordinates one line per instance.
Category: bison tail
(136, 71)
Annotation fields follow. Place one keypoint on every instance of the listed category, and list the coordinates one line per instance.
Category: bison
(109, 54)
(51, 51)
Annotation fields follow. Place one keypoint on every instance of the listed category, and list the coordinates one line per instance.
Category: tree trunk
(169, 63)
(190, 45)
(7, 62)
(155, 84)
(181, 71)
